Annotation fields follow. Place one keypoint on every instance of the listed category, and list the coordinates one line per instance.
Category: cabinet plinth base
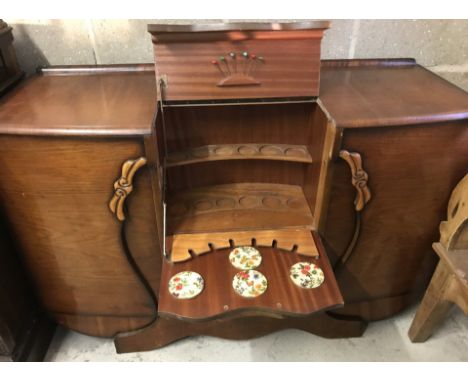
(166, 330)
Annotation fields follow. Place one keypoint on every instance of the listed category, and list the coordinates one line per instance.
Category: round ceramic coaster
(306, 275)
(245, 258)
(186, 285)
(249, 283)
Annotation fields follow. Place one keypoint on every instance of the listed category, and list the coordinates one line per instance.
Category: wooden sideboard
(69, 135)
(410, 127)
(89, 156)
(25, 329)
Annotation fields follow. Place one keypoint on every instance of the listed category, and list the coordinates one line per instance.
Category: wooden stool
(449, 285)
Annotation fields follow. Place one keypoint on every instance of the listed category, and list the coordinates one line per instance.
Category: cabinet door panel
(412, 171)
(55, 193)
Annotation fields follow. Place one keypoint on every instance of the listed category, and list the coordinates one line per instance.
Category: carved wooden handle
(358, 178)
(123, 186)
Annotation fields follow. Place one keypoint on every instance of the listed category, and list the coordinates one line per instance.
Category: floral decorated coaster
(245, 258)
(306, 275)
(249, 283)
(186, 285)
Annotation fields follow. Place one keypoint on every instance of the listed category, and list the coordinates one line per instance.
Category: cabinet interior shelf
(281, 152)
(238, 206)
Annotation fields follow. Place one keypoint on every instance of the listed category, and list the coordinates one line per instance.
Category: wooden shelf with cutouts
(186, 246)
(237, 206)
(280, 152)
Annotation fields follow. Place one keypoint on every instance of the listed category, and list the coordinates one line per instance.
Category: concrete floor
(383, 341)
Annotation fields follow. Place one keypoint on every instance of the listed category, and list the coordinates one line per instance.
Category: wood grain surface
(102, 325)
(57, 191)
(449, 284)
(80, 105)
(412, 171)
(409, 126)
(184, 247)
(238, 206)
(195, 126)
(237, 26)
(218, 298)
(265, 151)
(388, 95)
(279, 63)
(453, 230)
(166, 330)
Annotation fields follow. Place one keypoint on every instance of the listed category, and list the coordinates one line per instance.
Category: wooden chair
(449, 285)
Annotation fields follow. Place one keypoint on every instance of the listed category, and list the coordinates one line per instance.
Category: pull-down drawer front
(238, 64)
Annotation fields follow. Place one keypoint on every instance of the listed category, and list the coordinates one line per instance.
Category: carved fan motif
(238, 72)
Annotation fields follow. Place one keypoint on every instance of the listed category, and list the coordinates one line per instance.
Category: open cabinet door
(155, 151)
(283, 284)
(217, 209)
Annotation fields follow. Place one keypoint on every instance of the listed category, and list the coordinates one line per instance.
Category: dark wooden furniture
(365, 169)
(238, 61)
(10, 71)
(71, 148)
(25, 329)
(248, 172)
(449, 284)
(410, 127)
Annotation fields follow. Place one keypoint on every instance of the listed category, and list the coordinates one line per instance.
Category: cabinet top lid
(238, 26)
(82, 101)
(388, 92)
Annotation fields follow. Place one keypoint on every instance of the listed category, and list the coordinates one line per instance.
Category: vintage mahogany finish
(25, 328)
(294, 153)
(85, 280)
(223, 167)
(184, 247)
(163, 331)
(384, 146)
(256, 60)
(282, 297)
(238, 206)
(412, 133)
(107, 110)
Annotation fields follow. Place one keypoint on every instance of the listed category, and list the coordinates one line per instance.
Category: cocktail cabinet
(118, 179)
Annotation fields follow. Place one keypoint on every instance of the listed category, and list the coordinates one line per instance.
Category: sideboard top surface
(233, 26)
(392, 92)
(102, 101)
(76, 104)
